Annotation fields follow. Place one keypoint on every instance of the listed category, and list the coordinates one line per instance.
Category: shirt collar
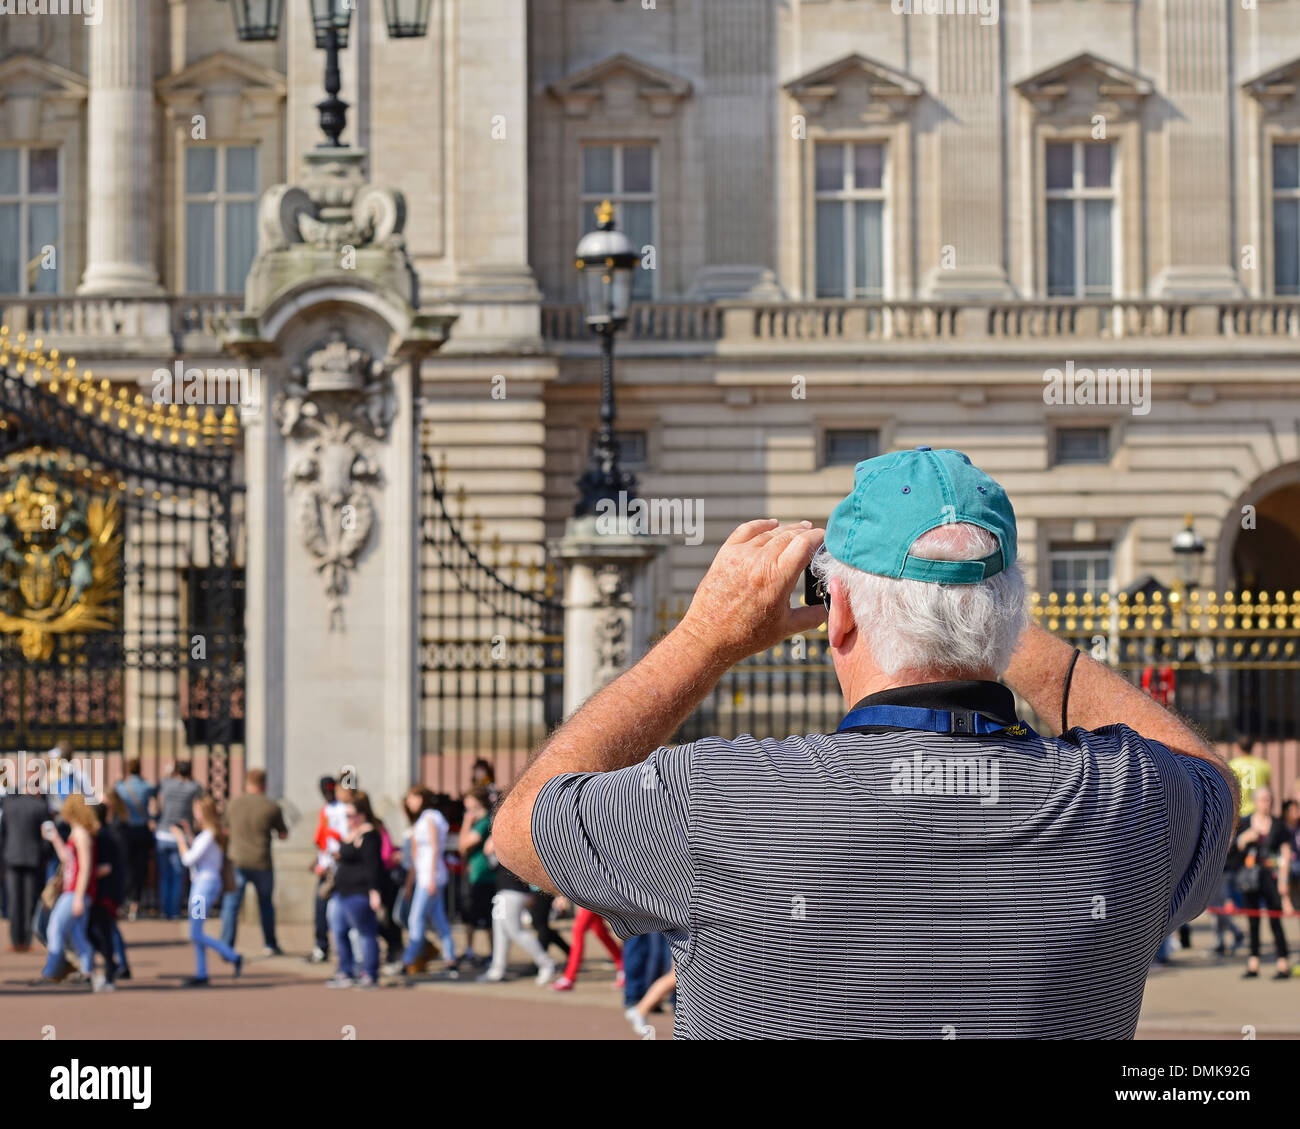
(992, 699)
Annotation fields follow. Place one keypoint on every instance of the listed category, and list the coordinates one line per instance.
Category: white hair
(955, 630)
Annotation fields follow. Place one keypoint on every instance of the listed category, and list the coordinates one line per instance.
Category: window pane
(598, 169)
(1286, 246)
(1083, 445)
(830, 249)
(631, 447)
(868, 253)
(241, 243)
(9, 171)
(1060, 247)
(241, 169)
(1096, 165)
(638, 221)
(830, 168)
(43, 172)
(42, 232)
(9, 249)
(200, 170)
(1286, 166)
(1060, 164)
(868, 165)
(1096, 246)
(850, 447)
(201, 248)
(638, 169)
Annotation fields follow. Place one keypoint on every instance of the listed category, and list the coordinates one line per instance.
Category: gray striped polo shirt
(898, 883)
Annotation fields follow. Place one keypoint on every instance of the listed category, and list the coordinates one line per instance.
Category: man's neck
(866, 683)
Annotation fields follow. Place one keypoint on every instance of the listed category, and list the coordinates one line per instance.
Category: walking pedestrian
(139, 796)
(1265, 843)
(331, 824)
(357, 899)
(429, 833)
(205, 855)
(70, 917)
(24, 851)
(508, 904)
(583, 921)
(480, 880)
(253, 817)
(176, 796)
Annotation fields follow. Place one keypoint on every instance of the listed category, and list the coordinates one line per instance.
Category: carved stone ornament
(332, 210)
(614, 625)
(337, 408)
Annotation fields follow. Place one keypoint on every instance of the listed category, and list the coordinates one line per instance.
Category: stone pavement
(1197, 997)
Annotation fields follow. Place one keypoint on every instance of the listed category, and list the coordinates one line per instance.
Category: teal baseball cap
(899, 496)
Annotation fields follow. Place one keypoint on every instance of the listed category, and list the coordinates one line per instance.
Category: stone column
(608, 605)
(121, 216)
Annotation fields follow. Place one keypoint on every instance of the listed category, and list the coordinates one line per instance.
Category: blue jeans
(205, 892)
(263, 882)
(64, 924)
(428, 908)
(170, 877)
(646, 957)
(1222, 922)
(352, 911)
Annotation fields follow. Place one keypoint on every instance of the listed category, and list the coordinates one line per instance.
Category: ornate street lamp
(257, 20)
(1189, 550)
(331, 21)
(407, 19)
(606, 262)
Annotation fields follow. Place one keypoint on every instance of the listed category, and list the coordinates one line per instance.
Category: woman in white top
(429, 832)
(205, 857)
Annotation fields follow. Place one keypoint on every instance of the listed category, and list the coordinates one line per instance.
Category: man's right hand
(742, 606)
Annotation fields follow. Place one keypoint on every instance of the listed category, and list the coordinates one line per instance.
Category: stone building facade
(863, 228)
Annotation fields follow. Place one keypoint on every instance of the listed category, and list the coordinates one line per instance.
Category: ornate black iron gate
(492, 649)
(121, 603)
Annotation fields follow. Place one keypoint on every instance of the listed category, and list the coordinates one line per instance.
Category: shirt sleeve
(196, 849)
(617, 843)
(1201, 825)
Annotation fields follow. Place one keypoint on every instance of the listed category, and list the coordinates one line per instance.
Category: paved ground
(1199, 997)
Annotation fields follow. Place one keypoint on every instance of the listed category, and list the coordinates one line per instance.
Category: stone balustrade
(190, 324)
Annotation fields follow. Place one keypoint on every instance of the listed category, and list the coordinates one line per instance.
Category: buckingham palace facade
(1062, 236)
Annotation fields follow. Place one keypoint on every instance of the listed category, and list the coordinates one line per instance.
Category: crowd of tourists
(73, 868)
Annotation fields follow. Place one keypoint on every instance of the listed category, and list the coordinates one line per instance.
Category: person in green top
(480, 872)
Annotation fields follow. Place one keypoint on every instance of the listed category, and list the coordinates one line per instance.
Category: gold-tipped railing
(163, 423)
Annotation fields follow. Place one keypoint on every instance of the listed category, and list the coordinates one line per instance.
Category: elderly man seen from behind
(934, 866)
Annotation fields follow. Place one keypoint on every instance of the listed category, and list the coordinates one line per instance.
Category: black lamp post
(259, 20)
(606, 261)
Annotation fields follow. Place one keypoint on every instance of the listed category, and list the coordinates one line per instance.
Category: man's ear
(839, 626)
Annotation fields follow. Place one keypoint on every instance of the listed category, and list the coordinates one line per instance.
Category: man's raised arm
(1098, 697)
(741, 607)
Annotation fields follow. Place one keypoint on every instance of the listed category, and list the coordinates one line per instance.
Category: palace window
(849, 189)
(1286, 219)
(1080, 188)
(849, 446)
(30, 248)
(1075, 445)
(625, 175)
(221, 189)
(1080, 567)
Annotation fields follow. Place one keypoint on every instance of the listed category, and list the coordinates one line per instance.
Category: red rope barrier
(1232, 911)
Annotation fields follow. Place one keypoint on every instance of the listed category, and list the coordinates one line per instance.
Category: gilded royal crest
(60, 556)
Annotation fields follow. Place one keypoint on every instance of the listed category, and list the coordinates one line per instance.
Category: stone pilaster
(1200, 258)
(121, 219)
(968, 63)
(737, 134)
